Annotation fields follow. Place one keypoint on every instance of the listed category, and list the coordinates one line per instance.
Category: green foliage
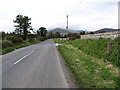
(6, 44)
(50, 35)
(56, 35)
(82, 33)
(23, 24)
(60, 41)
(42, 38)
(7, 50)
(42, 31)
(73, 36)
(31, 40)
(2, 35)
(11, 48)
(14, 39)
(53, 35)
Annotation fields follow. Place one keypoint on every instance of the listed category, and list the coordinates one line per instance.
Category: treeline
(23, 35)
(70, 36)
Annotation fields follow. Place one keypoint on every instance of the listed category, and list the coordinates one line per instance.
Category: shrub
(6, 44)
(41, 38)
(8, 50)
(82, 33)
(14, 39)
(31, 40)
(19, 40)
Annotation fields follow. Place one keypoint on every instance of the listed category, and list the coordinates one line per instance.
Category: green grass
(17, 46)
(89, 71)
(60, 41)
(90, 64)
(98, 49)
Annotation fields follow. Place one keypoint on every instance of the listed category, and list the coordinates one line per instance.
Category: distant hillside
(78, 31)
(106, 30)
(62, 31)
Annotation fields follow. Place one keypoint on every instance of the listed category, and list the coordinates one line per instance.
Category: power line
(75, 7)
(71, 12)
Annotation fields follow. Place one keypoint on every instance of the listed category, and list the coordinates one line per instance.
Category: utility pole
(67, 23)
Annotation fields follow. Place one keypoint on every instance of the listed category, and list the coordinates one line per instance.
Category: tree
(2, 35)
(82, 33)
(42, 31)
(73, 36)
(91, 32)
(56, 35)
(23, 24)
(50, 35)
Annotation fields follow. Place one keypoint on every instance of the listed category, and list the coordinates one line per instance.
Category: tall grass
(98, 48)
(90, 63)
(89, 72)
(17, 46)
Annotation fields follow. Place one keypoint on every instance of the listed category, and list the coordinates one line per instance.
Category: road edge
(67, 72)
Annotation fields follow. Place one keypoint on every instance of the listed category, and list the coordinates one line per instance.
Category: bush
(14, 39)
(82, 33)
(19, 40)
(8, 50)
(6, 44)
(31, 40)
(41, 38)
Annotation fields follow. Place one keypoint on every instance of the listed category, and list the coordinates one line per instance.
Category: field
(90, 63)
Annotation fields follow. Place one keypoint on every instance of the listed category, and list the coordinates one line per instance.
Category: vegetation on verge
(99, 49)
(12, 41)
(22, 36)
(11, 48)
(89, 69)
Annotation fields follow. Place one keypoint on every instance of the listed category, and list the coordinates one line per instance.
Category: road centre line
(23, 57)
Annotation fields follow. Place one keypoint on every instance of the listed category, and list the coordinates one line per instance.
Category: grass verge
(9, 49)
(89, 70)
(99, 49)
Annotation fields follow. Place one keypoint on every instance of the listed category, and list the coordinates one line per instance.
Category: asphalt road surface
(35, 66)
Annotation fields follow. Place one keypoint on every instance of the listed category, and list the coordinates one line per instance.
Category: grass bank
(17, 46)
(89, 70)
(99, 49)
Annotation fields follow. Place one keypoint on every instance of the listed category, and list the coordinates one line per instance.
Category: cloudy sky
(88, 15)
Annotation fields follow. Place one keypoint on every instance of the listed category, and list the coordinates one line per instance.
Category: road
(35, 66)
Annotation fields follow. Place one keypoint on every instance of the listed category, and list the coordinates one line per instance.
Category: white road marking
(23, 57)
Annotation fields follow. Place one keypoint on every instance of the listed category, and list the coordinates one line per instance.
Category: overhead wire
(75, 7)
(72, 11)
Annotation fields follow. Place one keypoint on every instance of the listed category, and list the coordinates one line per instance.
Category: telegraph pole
(67, 23)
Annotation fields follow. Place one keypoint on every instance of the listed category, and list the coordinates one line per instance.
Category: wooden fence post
(109, 48)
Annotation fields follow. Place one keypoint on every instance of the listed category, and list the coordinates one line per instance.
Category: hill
(106, 30)
(64, 31)
(78, 31)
